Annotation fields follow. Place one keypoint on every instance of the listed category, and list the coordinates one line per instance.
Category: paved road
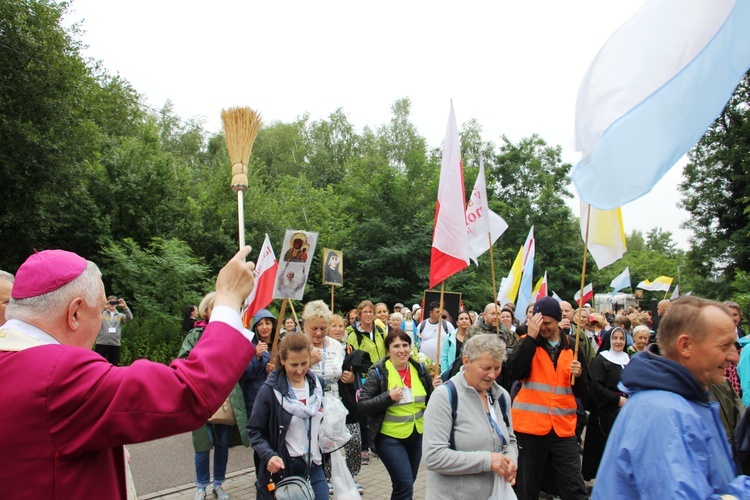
(169, 462)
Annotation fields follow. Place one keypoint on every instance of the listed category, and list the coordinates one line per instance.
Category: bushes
(154, 337)
(158, 280)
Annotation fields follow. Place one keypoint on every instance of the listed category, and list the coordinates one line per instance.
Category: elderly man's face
(710, 356)
(567, 310)
(5, 289)
(663, 307)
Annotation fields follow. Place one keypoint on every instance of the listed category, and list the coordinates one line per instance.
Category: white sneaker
(220, 493)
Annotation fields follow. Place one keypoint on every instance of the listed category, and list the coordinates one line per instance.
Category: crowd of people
(523, 381)
(572, 402)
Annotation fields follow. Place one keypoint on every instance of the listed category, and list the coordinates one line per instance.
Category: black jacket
(375, 400)
(268, 425)
(358, 362)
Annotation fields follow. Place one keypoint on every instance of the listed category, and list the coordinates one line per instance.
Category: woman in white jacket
(484, 446)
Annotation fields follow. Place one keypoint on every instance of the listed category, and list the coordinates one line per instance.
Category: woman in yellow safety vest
(394, 397)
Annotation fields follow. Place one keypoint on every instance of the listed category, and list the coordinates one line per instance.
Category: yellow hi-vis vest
(401, 419)
(546, 400)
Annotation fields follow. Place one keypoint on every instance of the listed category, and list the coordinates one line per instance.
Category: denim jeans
(317, 477)
(219, 435)
(401, 458)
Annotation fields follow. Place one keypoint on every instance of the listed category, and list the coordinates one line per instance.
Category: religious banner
(333, 267)
(294, 266)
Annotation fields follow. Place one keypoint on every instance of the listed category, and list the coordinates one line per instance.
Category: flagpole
(583, 285)
(331, 298)
(440, 325)
(294, 315)
(279, 325)
(494, 285)
(666, 293)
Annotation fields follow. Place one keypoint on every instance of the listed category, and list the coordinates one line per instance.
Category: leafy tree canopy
(87, 167)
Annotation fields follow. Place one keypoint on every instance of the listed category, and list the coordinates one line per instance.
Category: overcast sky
(515, 66)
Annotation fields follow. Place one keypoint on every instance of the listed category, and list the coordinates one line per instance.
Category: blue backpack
(453, 398)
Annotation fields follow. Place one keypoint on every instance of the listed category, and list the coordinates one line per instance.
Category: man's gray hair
(87, 286)
(686, 315)
(485, 343)
(5, 276)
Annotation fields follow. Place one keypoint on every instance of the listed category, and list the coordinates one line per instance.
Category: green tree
(47, 137)
(635, 241)
(716, 192)
(331, 144)
(160, 279)
(529, 188)
(280, 149)
(390, 195)
(661, 241)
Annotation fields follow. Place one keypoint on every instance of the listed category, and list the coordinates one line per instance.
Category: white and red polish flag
(481, 222)
(450, 245)
(265, 271)
(588, 294)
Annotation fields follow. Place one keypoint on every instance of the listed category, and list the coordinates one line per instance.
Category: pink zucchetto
(45, 272)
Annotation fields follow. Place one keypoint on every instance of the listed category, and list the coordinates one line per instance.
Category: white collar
(619, 358)
(30, 331)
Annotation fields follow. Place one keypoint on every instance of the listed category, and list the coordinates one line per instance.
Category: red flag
(450, 245)
(265, 274)
(588, 294)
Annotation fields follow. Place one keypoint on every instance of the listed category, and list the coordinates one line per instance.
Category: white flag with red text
(481, 222)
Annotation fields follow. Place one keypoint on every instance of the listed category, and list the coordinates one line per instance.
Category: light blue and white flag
(653, 90)
(556, 297)
(621, 281)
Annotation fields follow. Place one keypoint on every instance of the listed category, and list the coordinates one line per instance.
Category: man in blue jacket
(668, 440)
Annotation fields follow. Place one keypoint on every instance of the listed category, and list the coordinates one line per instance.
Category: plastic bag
(344, 487)
(333, 432)
(501, 489)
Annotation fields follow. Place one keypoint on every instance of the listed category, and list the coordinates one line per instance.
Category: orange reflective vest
(546, 400)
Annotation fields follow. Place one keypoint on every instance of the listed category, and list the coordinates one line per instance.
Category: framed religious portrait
(333, 267)
(294, 265)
